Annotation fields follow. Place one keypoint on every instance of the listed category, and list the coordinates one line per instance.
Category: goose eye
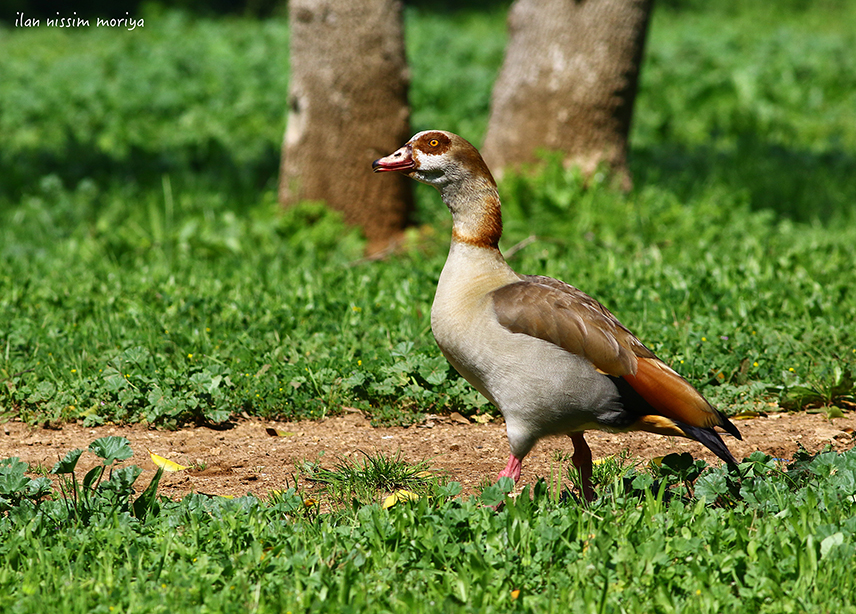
(433, 142)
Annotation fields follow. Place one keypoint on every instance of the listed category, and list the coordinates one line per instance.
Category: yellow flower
(704, 338)
(754, 364)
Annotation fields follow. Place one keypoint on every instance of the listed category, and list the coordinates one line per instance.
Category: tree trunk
(568, 83)
(347, 106)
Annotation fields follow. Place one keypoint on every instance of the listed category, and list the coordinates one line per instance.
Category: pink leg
(512, 469)
(582, 461)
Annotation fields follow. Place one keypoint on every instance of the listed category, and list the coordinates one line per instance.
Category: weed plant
(84, 501)
(358, 481)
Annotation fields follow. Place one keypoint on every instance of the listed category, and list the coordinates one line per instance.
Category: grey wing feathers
(554, 311)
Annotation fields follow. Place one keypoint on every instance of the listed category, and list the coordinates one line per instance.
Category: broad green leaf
(114, 380)
(44, 392)
(494, 494)
(217, 415)
(215, 384)
(452, 489)
(642, 481)
(92, 476)
(135, 354)
(12, 479)
(711, 485)
(111, 449)
(434, 370)
(13, 464)
(39, 487)
(681, 466)
(121, 482)
(68, 462)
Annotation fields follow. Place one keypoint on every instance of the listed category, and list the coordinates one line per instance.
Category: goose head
(437, 158)
(453, 166)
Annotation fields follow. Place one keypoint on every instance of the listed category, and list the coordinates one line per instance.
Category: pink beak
(401, 160)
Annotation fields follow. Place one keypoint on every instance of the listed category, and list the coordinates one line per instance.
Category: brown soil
(246, 459)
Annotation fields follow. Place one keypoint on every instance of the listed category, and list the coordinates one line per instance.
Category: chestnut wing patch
(674, 397)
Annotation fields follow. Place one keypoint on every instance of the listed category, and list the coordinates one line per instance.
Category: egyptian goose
(552, 359)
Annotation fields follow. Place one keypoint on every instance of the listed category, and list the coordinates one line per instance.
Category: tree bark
(347, 106)
(568, 83)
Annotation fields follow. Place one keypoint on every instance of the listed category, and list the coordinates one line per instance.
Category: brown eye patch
(434, 143)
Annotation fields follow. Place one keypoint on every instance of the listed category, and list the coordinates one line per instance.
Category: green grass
(778, 538)
(211, 312)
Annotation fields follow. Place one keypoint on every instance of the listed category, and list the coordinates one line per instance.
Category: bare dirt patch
(245, 459)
